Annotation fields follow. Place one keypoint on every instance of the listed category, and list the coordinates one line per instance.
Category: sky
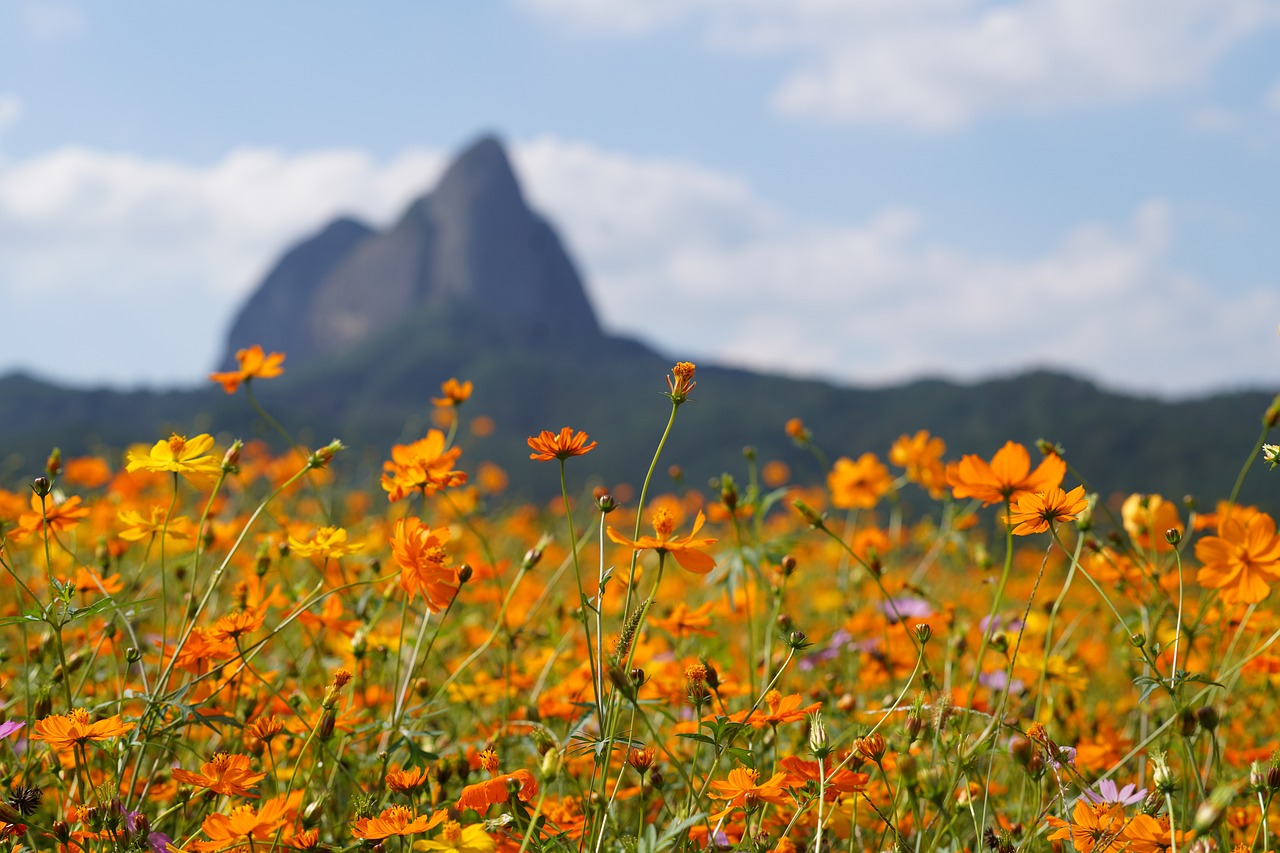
(868, 191)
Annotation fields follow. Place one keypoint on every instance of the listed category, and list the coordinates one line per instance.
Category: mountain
(472, 244)
(470, 282)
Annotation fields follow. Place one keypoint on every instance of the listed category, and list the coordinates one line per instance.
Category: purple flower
(1106, 792)
(906, 607)
(997, 679)
(9, 727)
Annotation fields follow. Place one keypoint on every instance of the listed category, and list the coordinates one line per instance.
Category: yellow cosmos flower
(179, 455)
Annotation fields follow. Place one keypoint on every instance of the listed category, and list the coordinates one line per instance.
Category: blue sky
(865, 190)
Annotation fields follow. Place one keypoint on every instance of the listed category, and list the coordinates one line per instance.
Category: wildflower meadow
(209, 646)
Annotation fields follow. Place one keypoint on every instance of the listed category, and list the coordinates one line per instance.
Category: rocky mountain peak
(471, 244)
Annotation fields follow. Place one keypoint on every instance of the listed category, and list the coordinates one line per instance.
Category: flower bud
(819, 744)
(324, 730)
(1207, 716)
(872, 747)
(1272, 415)
(465, 573)
(552, 761)
(788, 564)
(231, 459)
(809, 514)
(41, 486)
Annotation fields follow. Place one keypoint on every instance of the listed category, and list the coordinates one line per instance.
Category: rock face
(472, 244)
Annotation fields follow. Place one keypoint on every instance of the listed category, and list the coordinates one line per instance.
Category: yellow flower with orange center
(179, 455)
(329, 543)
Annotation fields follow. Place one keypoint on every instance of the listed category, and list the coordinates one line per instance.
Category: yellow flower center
(80, 716)
(177, 444)
(773, 699)
(663, 522)
(452, 832)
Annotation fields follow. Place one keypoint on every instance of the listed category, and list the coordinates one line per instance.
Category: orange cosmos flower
(1146, 518)
(742, 783)
(1147, 834)
(858, 485)
(254, 364)
(1242, 560)
(682, 621)
(799, 772)
(685, 551)
(1034, 512)
(481, 795)
(547, 445)
(53, 515)
(78, 728)
(921, 456)
(235, 625)
(223, 774)
(424, 466)
(396, 820)
(1094, 826)
(87, 471)
(1008, 475)
(680, 382)
(403, 781)
(455, 393)
(242, 826)
(179, 455)
(420, 553)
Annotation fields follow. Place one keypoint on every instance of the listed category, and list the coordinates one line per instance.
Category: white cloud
(127, 235)
(93, 244)
(937, 64)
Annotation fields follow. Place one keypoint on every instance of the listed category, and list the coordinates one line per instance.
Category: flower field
(205, 646)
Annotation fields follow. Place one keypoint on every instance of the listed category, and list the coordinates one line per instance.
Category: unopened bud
(41, 486)
(231, 459)
(464, 573)
(321, 457)
(819, 744)
(552, 761)
(1272, 415)
(328, 720)
(808, 513)
(1173, 536)
(1207, 717)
